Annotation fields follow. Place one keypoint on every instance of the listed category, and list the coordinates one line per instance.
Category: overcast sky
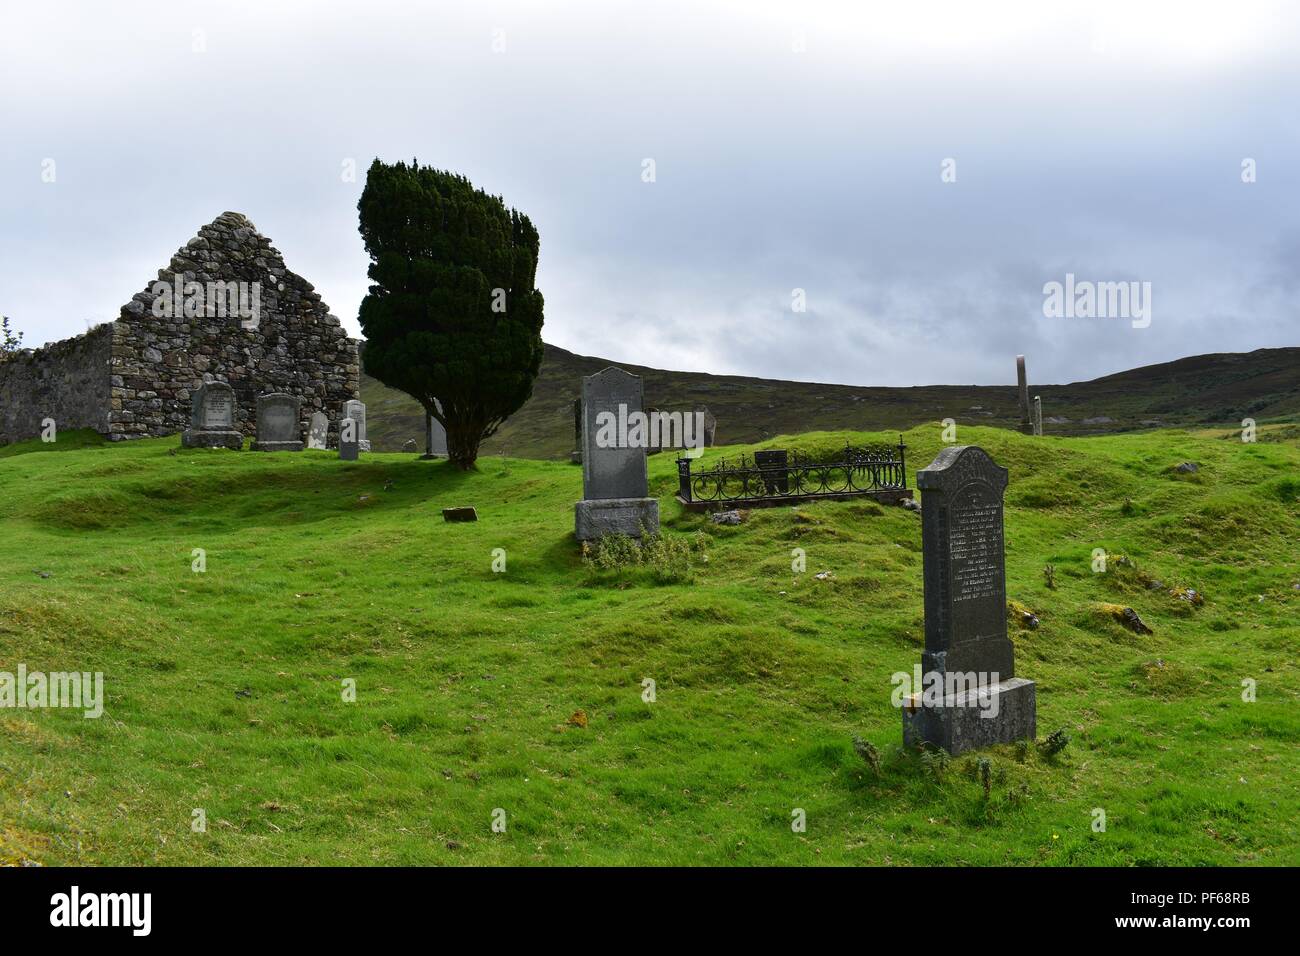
(795, 146)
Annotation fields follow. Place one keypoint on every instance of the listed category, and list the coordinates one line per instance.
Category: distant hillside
(1202, 389)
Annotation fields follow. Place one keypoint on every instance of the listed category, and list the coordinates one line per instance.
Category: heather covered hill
(1204, 389)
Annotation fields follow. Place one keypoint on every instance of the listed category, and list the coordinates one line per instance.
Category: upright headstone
(1022, 383)
(970, 696)
(319, 432)
(435, 436)
(614, 487)
(1038, 415)
(277, 423)
(356, 410)
(212, 418)
(576, 455)
(349, 444)
(710, 426)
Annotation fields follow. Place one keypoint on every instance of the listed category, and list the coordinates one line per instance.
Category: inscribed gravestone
(349, 446)
(710, 426)
(319, 432)
(435, 435)
(356, 410)
(277, 423)
(966, 642)
(614, 438)
(212, 418)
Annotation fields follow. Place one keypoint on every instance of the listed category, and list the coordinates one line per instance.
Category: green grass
(224, 688)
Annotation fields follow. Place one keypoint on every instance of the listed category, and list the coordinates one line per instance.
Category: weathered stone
(355, 409)
(212, 419)
(1038, 415)
(278, 427)
(435, 436)
(459, 514)
(349, 446)
(614, 485)
(318, 431)
(602, 516)
(1022, 383)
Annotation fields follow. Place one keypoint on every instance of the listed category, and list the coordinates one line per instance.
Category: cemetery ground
(523, 690)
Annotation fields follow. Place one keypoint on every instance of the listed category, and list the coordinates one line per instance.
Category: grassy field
(224, 688)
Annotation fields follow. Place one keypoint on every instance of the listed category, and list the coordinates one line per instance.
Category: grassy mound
(225, 689)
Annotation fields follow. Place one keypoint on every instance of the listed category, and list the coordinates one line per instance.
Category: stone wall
(224, 309)
(66, 381)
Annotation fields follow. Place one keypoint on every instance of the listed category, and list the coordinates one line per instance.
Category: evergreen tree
(452, 314)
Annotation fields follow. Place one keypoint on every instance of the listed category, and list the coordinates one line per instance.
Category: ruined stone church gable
(241, 317)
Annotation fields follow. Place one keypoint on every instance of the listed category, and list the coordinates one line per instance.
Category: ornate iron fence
(772, 477)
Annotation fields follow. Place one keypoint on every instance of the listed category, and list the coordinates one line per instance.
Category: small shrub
(868, 752)
(985, 771)
(669, 559)
(1049, 575)
(936, 763)
(1056, 741)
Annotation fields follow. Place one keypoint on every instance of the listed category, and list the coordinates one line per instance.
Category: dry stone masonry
(225, 309)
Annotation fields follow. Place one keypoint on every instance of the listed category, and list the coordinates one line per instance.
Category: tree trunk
(462, 444)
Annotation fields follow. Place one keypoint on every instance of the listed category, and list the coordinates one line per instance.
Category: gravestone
(356, 410)
(1038, 415)
(777, 462)
(1022, 383)
(319, 432)
(349, 444)
(435, 436)
(212, 419)
(966, 642)
(277, 423)
(459, 514)
(710, 426)
(614, 488)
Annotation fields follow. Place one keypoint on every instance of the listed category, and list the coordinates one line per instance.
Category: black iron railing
(774, 475)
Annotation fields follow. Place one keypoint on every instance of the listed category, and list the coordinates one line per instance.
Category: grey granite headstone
(356, 410)
(710, 426)
(435, 435)
(277, 423)
(349, 444)
(1022, 384)
(212, 418)
(614, 438)
(966, 642)
(319, 432)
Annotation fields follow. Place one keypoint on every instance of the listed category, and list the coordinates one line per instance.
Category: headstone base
(207, 439)
(277, 446)
(600, 516)
(959, 724)
(431, 457)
